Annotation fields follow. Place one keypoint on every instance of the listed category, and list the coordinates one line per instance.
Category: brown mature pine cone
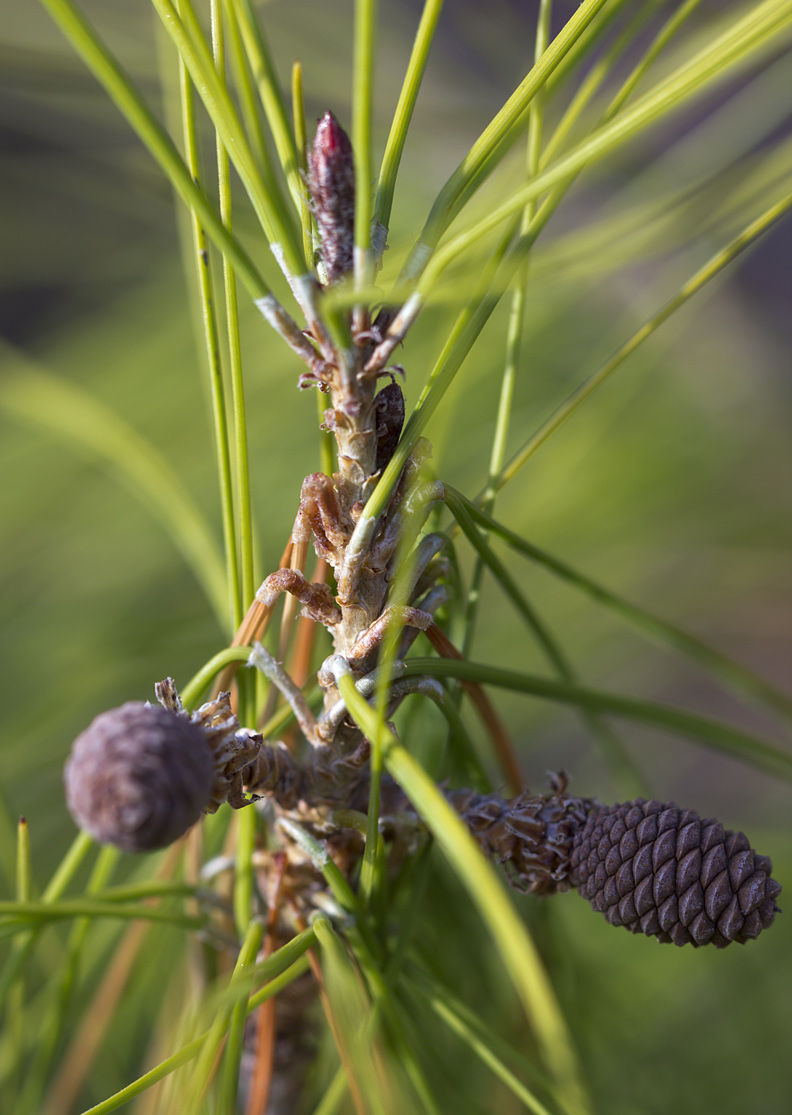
(664, 871)
(651, 867)
(139, 776)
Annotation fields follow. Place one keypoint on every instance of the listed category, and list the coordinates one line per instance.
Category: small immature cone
(139, 777)
(389, 410)
(331, 184)
(649, 866)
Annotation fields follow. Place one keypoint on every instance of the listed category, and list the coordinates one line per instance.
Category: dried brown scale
(369, 642)
(323, 519)
(327, 777)
(320, 517)
(232, 749)
(275, 772)
(317, 599)
(533, 836)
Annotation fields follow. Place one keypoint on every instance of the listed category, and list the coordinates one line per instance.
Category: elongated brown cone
(649, 866)
(664, 871)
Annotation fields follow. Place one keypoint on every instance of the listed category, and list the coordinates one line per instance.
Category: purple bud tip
(331, 139)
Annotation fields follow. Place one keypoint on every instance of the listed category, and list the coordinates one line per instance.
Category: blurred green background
(673, 485)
